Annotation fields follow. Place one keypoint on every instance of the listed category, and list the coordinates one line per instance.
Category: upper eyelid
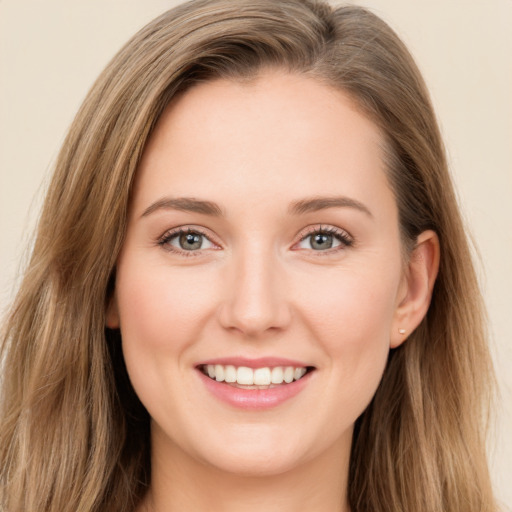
(320, 228)
(186, 229)
(173, 232)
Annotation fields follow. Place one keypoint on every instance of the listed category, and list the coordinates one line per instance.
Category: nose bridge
(255, 300)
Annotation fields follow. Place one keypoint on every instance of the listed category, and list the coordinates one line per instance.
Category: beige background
(51, 51)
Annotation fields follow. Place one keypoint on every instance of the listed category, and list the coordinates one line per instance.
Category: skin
(258, 288)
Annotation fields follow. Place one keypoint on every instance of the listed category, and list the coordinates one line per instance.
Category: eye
(188, 240)
(323, 239)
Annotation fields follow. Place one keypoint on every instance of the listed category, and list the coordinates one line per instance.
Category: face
(260, 281)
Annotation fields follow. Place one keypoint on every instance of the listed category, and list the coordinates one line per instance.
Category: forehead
(282, 135)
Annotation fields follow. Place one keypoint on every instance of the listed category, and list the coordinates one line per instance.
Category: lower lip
(254, 399)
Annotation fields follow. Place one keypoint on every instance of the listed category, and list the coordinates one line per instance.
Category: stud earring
(401, 331)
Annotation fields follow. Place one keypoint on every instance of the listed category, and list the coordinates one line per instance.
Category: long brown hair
(73, 435)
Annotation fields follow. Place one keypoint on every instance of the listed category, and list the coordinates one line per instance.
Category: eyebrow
(191, 204)
(186, 204)
(321, 203)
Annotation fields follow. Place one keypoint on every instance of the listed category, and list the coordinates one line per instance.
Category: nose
(255, 297)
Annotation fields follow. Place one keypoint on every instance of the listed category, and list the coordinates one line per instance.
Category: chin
(260, 464)
(257, 452)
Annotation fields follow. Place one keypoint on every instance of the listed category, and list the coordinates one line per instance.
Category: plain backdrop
(51, 51)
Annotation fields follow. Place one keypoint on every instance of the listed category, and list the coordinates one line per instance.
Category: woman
(250, 286)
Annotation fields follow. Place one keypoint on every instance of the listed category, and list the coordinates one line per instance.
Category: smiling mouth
(244, 377)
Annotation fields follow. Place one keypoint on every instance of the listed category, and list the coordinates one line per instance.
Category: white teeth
(262, 376)
(245, 376)
(288, 374)
(258, 377)
(230, 374)
(298, 373)
(219, 372)
(277, 375)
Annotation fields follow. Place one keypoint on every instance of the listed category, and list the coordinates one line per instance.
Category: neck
(187, 484)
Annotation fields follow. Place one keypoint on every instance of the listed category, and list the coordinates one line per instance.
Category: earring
(401, 331)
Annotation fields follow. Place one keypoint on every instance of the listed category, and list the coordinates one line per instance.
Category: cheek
(162, 312)
(349, 305)
(350, 315)
(160, 306)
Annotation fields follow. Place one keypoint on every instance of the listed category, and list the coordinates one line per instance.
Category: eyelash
(341, 235)
(164, 241)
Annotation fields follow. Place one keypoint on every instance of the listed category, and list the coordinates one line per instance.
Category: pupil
(322, 241)
(190, 241)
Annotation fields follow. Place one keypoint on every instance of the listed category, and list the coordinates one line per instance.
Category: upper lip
(260, 362)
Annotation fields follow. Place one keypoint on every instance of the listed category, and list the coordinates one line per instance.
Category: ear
(416, 288)
(112, 313)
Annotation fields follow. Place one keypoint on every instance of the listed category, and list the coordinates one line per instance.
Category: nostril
(254, 306)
